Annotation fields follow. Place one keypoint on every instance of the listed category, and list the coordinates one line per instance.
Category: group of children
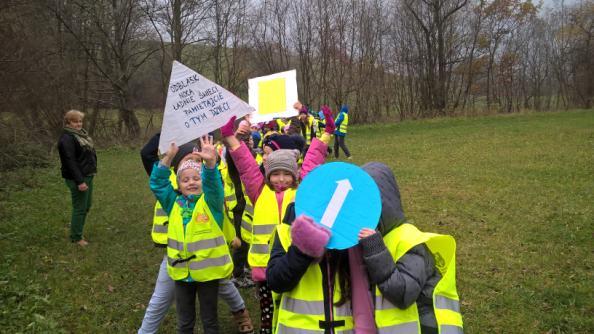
(304, 127)
(397, 280)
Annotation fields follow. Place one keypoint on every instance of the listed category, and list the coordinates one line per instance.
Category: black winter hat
(184, 150)
(277, 142)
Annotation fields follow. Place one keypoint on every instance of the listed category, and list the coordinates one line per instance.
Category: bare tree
(116, 45)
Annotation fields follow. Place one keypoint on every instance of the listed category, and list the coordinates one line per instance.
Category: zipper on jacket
(330, 291)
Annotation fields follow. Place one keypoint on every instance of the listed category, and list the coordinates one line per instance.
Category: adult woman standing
(79, 165)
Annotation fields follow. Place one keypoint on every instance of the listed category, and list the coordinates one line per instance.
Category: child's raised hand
(244, 128)
(308, 237)
(365, 232)
(229, 138)
(208, 152)
(227, 129)
(329, 120)
(171, 152)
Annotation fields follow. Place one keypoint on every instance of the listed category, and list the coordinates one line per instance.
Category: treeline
(388, 59)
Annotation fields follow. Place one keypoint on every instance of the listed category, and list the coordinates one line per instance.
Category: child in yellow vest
(270, 193)
(414, 272)
(197, 253)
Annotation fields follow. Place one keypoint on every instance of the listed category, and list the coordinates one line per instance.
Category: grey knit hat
(282, 159)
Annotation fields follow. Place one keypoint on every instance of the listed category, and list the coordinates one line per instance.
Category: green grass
(516, 191)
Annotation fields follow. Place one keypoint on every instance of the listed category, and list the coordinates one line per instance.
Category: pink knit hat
(189, 164)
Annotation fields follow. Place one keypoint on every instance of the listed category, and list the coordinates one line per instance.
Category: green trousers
(81, 203)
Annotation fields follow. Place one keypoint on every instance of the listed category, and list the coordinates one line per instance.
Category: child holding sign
(412, 274)
(198, 256)
(270, 193)
(164, 292)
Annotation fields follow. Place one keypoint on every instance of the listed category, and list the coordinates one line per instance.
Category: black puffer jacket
(414, 276)
(285, 269)
(77, 162)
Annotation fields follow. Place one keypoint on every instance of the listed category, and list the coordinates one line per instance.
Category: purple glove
(227, 129)
(330, 126)
(309, 237)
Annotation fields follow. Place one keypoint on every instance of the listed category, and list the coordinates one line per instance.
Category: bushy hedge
(23, 154)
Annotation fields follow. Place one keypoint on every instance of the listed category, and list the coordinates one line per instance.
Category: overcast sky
(556, 3)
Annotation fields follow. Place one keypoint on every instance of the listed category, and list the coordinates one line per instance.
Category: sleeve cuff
(372, 245)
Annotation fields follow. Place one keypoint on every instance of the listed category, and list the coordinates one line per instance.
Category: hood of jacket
(392, 214)
(344, 109)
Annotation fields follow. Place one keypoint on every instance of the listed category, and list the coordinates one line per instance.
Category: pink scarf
(362, 302)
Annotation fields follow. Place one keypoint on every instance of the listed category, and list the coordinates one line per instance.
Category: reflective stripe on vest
(282, 329)
(199, 249)
(446, 303)
(199, 265)
(312, 307)
(404, 328)
(160, 218)
(260, 249)
(228, 189)
(344, 124)
(302, 309)
(266, 218)
(246, 220)
(450, 329)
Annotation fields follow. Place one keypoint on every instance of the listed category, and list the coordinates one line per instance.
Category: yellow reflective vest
(201, 251)
(301, 310)
(160, 218)
(247, 219)
(393, 320)
(281, 125)
(266, 219)
(228, 189)
(344, 124)
(310, 125)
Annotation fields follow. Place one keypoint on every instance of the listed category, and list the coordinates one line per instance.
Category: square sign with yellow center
(273, 96)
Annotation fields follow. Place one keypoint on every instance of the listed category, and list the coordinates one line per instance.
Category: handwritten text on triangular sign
(195, 106)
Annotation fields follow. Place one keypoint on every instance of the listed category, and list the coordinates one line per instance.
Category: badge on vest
(202, 218)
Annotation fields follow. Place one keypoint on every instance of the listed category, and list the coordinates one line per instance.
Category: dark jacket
(150, 153)
(77, 162)
(414, 276)
(285, 269)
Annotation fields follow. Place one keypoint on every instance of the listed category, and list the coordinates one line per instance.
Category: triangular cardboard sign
(195, 106)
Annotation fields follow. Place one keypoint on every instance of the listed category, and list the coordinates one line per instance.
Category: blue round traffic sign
(341, 197)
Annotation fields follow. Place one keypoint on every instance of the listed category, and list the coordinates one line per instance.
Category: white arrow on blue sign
(341, 197)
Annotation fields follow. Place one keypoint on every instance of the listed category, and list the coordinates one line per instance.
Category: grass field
(516, 191)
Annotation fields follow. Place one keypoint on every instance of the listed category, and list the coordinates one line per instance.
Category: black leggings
(185, 304)
(339, 141)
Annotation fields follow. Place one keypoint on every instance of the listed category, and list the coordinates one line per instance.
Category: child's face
(76, 123)
(190, 182)
(281, 179)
